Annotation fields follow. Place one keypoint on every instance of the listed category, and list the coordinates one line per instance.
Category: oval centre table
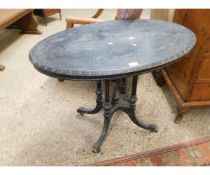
(112, 50)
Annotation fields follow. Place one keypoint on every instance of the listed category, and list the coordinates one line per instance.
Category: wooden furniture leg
(180, 115)
(2, 67)
(160, 81)
(28, 24)
(60, 15)
(69, 25)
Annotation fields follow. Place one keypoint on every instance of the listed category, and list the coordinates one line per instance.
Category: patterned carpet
(194, 153)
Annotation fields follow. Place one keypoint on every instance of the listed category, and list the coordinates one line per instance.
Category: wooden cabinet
(189, 79)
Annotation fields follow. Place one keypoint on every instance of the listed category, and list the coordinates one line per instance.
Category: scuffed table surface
(112, 49)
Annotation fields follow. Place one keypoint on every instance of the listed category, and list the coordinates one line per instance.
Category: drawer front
(204, 72)
(200, 91)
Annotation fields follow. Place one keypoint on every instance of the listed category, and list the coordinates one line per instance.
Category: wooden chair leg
(69, 25)
(45, 21)
(60, 15)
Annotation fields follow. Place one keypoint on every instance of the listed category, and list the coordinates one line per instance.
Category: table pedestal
(118, 101)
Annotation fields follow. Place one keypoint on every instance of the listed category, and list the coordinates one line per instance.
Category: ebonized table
(112, 50)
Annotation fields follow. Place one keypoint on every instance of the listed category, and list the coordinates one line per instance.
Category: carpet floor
(39, 124)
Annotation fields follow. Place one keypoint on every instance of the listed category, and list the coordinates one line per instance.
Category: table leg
(123, 86)
(115, 96)
(131, 110)
(60, 15)
(29, 24)
(45, 20)
(116, 103)
(107, 119)
(99, 102)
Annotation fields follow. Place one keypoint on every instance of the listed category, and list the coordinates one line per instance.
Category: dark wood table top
(112, 49)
